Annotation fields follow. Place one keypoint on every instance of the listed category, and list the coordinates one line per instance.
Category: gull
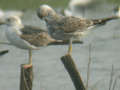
(68, 27)
(77, 7)
(25, 36)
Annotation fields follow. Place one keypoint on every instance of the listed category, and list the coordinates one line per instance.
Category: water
(49, 72)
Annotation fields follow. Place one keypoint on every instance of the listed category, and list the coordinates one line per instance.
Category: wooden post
(73, 72)
(26, 78)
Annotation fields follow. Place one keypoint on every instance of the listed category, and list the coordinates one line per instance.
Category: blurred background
(33, 4)
(49, 72)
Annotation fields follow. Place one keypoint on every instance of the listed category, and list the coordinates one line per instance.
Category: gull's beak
(38, 14)
(41, 17)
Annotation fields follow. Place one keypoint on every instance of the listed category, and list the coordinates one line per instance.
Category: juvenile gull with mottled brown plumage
(68, 27)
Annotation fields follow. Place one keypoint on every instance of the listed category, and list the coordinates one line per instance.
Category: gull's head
(13, 20)
(74, 3)
(9, 14)
(45, 11)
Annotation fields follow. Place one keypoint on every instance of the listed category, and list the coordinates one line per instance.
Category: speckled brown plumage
(72, 24)
(36, 36)
(66, 27)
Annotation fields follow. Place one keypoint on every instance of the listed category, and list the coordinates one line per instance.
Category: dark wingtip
(3, 52)
(99, 22)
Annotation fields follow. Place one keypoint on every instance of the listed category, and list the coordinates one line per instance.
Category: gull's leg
(70, 47)
(30, 57)
(30, 60)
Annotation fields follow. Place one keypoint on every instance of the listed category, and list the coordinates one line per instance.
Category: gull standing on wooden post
(68, 27)
(25, 37)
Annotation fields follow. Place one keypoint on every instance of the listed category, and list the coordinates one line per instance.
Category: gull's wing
(27, 29)
(71, 24)
(35, 36)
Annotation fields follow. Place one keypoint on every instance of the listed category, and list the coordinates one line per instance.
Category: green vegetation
(30, 4)
(33, 4)
(115, 1)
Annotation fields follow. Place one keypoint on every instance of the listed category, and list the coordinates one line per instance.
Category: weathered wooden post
(73, 72)
(26, 78)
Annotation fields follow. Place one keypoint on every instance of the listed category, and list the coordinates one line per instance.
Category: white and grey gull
(25, 36)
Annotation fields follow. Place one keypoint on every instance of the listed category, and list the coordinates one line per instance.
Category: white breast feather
(13, 36)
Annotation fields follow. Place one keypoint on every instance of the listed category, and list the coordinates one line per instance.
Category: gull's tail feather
(104, 20)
